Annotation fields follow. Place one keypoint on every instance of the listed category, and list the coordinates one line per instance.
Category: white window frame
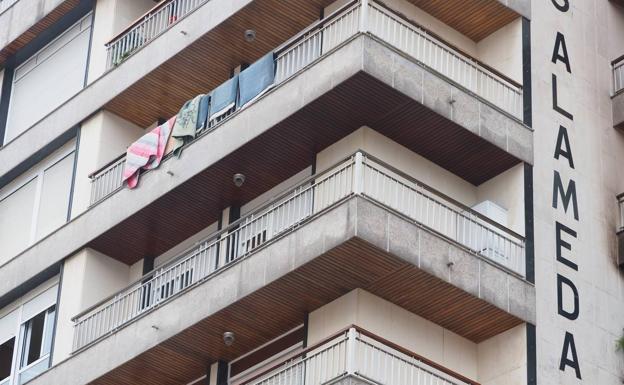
(41, 56)
(20, 354)
(37, 172)
(20, 329)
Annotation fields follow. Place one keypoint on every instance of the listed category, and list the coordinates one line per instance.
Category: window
(6, 358)
(27, 333)
(16, 214)
(48, 78)
(37, 337)
(36, 203)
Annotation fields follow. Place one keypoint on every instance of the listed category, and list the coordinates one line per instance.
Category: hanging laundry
(185, 127)
(257, 79)
(223, 98)
(202, 116)
(147, 152)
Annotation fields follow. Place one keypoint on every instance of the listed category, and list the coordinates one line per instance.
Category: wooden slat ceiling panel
(208, 62)
(474, 18)
(290, 147)
(36, 29)
(282, 305)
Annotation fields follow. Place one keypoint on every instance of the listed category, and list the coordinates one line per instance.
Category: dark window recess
(6, 358)
(176, 284)
(37, 339)
(33, 339)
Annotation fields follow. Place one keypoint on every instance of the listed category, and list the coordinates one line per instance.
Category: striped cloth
(147, 152)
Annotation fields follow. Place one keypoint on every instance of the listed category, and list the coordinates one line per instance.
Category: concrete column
(111, 17)
(103, 137)
(88, 277)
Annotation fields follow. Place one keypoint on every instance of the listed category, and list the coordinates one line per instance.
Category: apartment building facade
(371, 192)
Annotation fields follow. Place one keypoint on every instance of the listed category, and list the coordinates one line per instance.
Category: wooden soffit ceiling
(282, 305)
(289, 147)
(474, 18)
(208, 62)
(34, 31)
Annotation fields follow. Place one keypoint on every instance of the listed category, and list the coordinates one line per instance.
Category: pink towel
(147, 152)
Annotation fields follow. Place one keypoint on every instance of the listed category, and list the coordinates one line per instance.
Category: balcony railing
(620, 199)
(361, 355)
(437, 55)
(107, 180)
(618, 75)
(620, 232)
(148, 27)
(325, 35)
(358, 175)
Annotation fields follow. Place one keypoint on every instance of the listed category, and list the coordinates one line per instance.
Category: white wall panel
(49, 78)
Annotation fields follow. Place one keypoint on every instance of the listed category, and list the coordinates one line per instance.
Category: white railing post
(621, 208)
(350, 367)
(364, 16)
(358, 173)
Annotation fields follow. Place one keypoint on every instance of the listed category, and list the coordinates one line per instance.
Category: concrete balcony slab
(348, 246)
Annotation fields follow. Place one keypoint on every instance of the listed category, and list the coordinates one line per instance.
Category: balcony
(361, 82)
(151, 25)
(387, 26)
(166, 13)
(618, 92)
(359, 175)
(360, 224)
(361, 357)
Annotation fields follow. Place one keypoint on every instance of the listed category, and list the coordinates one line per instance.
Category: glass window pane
(33, 338)
(55, 196)
(49, 331)
(16, 220)
(6, 358)
(34, 371)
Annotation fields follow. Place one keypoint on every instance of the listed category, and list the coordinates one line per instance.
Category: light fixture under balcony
(238, 179)
(228, 338)
(250, 35)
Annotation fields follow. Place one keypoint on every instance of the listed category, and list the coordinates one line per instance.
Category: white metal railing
(150, 26)
(452, 220)
(108, 180)
(6, 4)
(618, 76)
(327, 34)
(437, 55)
(316, 41)
(359, 174)
(203, 260)
(620, 199)
(321, 366)
(358, 354)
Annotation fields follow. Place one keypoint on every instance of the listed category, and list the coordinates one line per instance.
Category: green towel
(185, 126)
